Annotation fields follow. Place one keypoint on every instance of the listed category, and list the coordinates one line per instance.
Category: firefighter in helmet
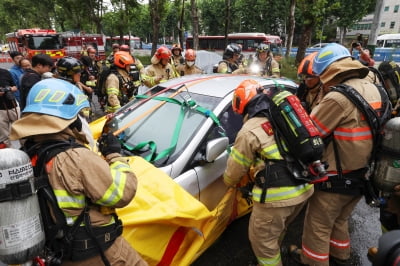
(70, 69)
(83, 182)
(277, 201)
(119, 85)
(189, 67)
(160, 69)
(230, 60)
(310, 90)
(264, 63)
(176, 58)
(326, 238)
(137, 61)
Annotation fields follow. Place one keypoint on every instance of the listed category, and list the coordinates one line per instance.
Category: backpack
(298, 139)
(376, 121)
(391, 74)
(71, 242)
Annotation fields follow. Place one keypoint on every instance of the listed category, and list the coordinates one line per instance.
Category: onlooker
(25, 64)
(9, 108)
(16, 72)
(41, 63)
(364, 55)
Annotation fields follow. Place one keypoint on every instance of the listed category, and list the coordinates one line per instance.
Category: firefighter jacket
(115, 90)
(252, 146)
(336, 116)
(227, 67)
(185, 70)
(79, 176)
(157, 73)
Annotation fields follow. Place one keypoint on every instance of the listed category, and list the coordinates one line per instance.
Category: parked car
(184, 127)
(320, 45)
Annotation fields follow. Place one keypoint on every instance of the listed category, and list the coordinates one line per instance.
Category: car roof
(219, 85)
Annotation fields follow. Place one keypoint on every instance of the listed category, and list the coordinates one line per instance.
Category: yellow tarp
(164, 223)
(168, 226)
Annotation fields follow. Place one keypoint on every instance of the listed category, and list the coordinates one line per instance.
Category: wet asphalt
(233, 247)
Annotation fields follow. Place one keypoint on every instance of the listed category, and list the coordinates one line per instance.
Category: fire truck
(74, 43)
(34, 41)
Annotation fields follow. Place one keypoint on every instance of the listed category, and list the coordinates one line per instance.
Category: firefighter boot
(338, 262)
(295, 254)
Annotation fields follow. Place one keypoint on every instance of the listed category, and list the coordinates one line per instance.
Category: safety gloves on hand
(108, 143)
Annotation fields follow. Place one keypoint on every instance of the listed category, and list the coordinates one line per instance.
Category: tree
(157, 12)
(289, 37)
(195, 24)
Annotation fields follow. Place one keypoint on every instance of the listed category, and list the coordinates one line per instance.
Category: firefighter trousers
(267, 227)
(325, 231)
(119, 254)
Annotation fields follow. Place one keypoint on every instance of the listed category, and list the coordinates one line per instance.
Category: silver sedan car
(185, 127)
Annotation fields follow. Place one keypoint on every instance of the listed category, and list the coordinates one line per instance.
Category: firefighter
(277, 201)
(310, 90)
(189, 67)
(229, 63)
(160, 69)
(119, 84)
(264, 63)
(110, 58)
(176, 58)
(349, 144)
(81, 180)
(138, 63)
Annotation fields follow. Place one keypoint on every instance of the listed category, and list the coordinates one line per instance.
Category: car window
(161, 123)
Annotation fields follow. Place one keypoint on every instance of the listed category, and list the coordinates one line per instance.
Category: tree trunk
(227, 20)
(155, 22)
(304, 41)
(195, 25)
(180, 29)
(289, 37)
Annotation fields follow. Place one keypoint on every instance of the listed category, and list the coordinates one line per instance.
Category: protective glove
(108, 143)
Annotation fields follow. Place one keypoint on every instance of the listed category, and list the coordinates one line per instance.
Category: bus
(248, 41)
(388, 41)
(133, 42)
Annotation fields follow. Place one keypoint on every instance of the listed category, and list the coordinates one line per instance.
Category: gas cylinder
(387, 174)
(21, 230)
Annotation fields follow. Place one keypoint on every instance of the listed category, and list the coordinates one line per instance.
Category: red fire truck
(74, 43)
(33, 41)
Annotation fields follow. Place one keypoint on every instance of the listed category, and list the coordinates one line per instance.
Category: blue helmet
(327, 55)
(55, 97)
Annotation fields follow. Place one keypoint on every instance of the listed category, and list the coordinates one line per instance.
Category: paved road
(233, 247)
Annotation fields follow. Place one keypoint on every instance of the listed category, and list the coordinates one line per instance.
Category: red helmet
(123, 59)
(124, 47)
(306, 65)
(243, 94)
(163, 53)
(190, 55)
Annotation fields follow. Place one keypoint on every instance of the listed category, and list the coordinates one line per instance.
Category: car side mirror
(215, 148)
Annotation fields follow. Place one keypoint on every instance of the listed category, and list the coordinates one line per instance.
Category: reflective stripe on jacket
(251, 143)
(336, 115)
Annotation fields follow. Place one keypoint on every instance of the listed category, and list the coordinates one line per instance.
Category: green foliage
(288, 68)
